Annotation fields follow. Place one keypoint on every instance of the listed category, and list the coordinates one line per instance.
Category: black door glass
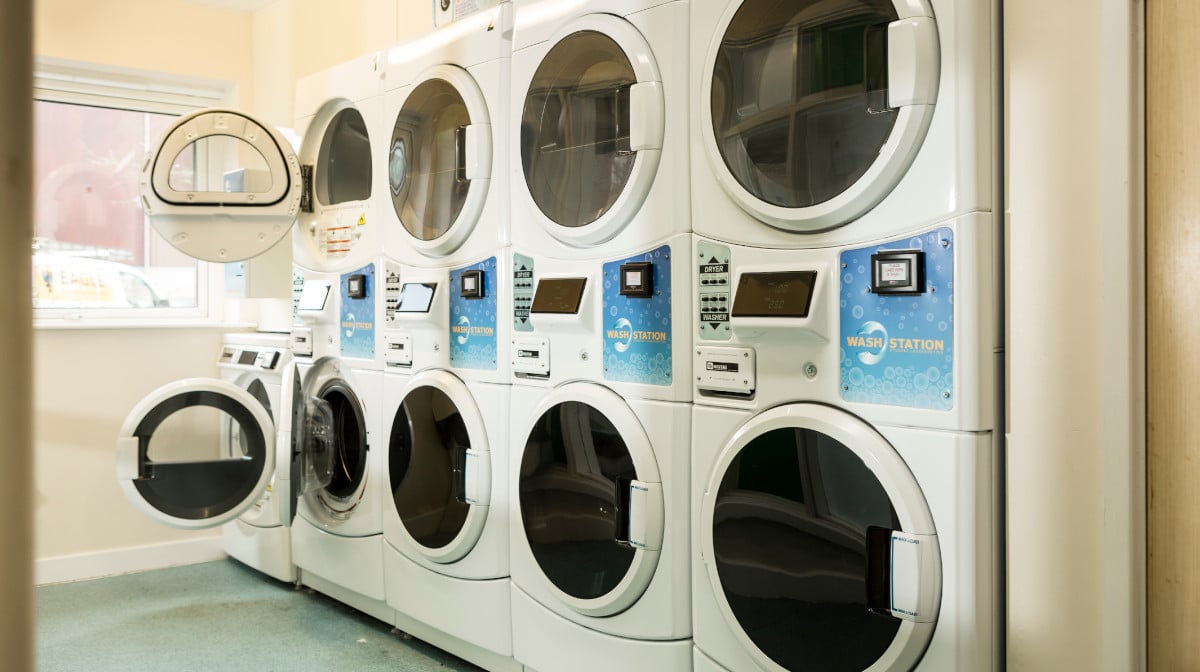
(427, 160)
(349, 439)
(796, 93)
(343, 171)
(790, 538)
(570, 469)
(426, 459)
(181, 469)
(575, 129)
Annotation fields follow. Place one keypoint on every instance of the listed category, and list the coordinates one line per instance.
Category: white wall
(1075, 528)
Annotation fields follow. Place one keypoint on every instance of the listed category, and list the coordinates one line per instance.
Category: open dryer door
(591, 499)
(819, 545)
(222, 186)
(174, 461)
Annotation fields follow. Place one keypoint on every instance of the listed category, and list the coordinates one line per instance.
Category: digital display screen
(783, 294)
(313, 296)
(559, 296)
(416, 297)
(247, 357)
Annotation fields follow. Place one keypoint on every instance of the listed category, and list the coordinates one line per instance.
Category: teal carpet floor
(216, 617)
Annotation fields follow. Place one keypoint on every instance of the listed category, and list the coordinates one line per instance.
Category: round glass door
(797, 528)
(806, 127)
(591, 129)
(175, 460)
(439, 160)
(334, 418)
(577, 468)
(222, 186)
(439, 468)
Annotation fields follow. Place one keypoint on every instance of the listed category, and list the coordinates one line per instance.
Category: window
(95, 255)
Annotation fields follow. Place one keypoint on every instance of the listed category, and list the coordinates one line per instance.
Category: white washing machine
(261, 537)
(445, 187)
(200, 453)
(337, 540)
(846, 479)
(822, 122)
(445, 523)
(598, 126)
(324, 190)
(599, 462)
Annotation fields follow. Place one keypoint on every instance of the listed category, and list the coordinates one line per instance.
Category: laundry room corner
(87, 378)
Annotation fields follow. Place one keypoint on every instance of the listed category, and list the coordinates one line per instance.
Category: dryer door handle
(904, 578)
(472, 152)
(640, 516)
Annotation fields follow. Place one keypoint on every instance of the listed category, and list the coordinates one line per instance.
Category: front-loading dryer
(598, 464)
(820, 122)
(846, 478)
(598, 126)
(444, 193)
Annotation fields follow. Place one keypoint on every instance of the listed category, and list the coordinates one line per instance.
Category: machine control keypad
(713, 297)
(391, 293)
(523, 288)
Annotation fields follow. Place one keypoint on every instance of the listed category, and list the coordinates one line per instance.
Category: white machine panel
(531, 357)
(725, 370)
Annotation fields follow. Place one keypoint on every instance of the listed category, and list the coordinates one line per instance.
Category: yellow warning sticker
(362, 220)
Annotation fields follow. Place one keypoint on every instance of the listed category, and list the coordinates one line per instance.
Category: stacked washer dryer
(601, 383)
(446, 387)
(337, 539)
(847, 468)
(333, 492)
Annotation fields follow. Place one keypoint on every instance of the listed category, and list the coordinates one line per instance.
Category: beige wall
(87, 380)
(1074, 462)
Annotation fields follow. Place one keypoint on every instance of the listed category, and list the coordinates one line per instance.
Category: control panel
(713, 291)
(523, 289)
(391, 293)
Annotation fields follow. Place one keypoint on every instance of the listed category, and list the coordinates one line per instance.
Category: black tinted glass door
(790, 538)
(347, 439)
(427, 456)
(343, 171)
(427, 160)
(574, 471)
(575, 129)
(799, 96)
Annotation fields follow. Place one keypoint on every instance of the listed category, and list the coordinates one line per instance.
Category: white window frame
(75, 82)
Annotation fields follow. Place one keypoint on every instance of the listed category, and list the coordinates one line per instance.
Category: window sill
(96, 324)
